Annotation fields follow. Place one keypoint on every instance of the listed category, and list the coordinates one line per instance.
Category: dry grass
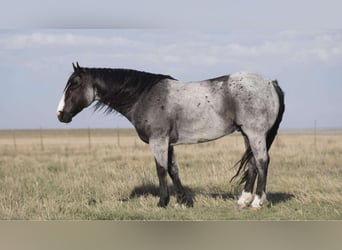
(60, 174)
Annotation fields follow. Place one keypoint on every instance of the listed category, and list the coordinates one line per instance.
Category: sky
(36, 55)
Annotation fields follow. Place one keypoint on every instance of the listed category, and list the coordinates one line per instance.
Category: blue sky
(297, 42)
(35, 65)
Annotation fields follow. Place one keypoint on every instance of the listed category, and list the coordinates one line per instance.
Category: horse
(166, 112)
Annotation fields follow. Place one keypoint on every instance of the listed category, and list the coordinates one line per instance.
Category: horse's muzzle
(64, 117)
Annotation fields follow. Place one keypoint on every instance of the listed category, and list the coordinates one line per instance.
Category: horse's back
(205, 110)
(250, 82)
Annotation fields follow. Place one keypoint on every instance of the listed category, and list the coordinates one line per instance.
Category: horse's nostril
(64, 117)
(59, 114)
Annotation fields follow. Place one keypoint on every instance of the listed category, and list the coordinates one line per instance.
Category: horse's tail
(271, 134)
(273, 131)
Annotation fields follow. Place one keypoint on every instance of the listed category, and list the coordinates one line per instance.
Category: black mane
(119, 89)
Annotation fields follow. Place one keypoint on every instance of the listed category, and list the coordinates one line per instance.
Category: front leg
(159, 148)
(182, 197)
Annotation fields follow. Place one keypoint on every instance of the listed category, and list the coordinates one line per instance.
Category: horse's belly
(201, 112)
(190, 138)
(202, 131)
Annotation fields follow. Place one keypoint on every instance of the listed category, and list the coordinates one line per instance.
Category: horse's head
(79, 93)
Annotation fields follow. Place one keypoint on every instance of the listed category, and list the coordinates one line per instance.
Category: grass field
(110, 174)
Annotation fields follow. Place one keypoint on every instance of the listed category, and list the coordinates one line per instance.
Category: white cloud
(288, 47)
(38, 39)
(300, 60)
(321, 47)
(177, 49)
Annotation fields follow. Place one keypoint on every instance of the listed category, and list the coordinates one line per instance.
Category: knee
(262, 163)
(161, 171)
(173, 170)
(263, 158)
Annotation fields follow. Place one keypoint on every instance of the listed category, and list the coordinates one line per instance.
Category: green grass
(58, 174)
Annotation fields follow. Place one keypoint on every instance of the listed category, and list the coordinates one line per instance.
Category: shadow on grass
(223, 196)
(151, 189)
(273, 198)
(278, 197)
(147, 189)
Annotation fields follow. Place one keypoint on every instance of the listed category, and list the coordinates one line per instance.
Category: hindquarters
(256, 101)
(260, 108)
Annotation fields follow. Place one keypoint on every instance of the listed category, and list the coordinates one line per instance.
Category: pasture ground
(110, 174)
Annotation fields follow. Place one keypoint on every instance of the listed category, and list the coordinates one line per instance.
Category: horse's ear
(77, 68)
(73, 65)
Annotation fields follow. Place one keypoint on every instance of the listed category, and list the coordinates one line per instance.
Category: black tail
(247, 156)
(273, 131)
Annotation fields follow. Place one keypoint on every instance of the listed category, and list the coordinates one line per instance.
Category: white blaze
(61, 104)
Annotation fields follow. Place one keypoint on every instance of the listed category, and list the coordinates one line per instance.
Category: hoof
(180, 206)
(258, 201)
(245, 199)
(163, 202)
(183, 200)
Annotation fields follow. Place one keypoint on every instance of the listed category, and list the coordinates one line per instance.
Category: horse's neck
(109, 98)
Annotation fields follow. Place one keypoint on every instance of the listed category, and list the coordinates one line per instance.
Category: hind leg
(247, 194)
(260, 152)
(246, 197)
(173, 172)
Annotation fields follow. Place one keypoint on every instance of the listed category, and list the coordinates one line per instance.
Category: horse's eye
(75, 83)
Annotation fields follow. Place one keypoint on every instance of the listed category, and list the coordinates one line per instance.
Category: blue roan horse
(166, 112)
